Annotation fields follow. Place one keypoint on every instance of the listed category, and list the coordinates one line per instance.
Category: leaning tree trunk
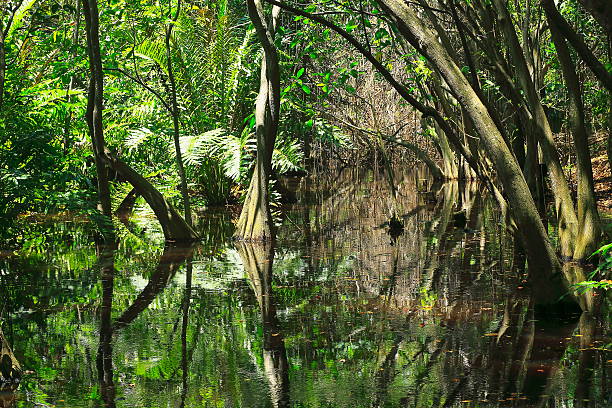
(588, 218)
(174, 226)
(540, 252)
(255, 223)
(10, 370)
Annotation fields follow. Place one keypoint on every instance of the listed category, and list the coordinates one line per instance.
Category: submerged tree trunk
(10, 370)
(255, 223)
(174, 226)
(541, 254)
(588, 218)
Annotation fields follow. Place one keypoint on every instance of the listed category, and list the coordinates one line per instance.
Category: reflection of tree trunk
(169, 262)
(257, 260)
(104, 361)
(185, 324)
(586, 361)
(10, 370)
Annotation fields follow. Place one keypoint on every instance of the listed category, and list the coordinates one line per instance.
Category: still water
(338, 313)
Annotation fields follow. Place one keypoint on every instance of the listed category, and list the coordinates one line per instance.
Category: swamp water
(336, 314)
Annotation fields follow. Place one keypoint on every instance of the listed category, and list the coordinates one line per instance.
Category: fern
(287, 155)
(19, 15)
(153, 52)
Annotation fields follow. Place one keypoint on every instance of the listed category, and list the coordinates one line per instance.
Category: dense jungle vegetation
(128, 128)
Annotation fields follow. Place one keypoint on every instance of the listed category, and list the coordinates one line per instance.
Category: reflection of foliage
(354, 328)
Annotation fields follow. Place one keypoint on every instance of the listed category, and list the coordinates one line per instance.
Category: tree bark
(255, 223)
(175, 118)
(95, 105)
(566, 216)
(174, 226)
(541, 255)
(588, 218)
(2, 66)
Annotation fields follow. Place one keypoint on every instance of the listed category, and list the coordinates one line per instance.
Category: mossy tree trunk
(255, 223)
(174, 226)
(564, 206)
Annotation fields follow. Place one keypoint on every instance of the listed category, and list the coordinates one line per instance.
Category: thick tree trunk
(588, 219)
(255, 223)
(10, 370)
(541, 254)
(174, 226)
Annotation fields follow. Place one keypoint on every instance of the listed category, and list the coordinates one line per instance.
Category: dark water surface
(337, 314)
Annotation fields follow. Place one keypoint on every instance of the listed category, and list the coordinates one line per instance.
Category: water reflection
(257, 260)
(338, 314)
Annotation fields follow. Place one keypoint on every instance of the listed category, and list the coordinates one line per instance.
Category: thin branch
(143, 84)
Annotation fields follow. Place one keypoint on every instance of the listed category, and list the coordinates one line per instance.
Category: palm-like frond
(152, 51)
(287, 155)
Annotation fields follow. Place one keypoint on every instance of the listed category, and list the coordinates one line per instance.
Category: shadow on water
(339, 313)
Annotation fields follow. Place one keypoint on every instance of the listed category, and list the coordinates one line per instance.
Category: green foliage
(603, 270)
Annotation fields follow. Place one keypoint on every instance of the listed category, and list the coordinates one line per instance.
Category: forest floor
(602, 174)
(603, 181)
